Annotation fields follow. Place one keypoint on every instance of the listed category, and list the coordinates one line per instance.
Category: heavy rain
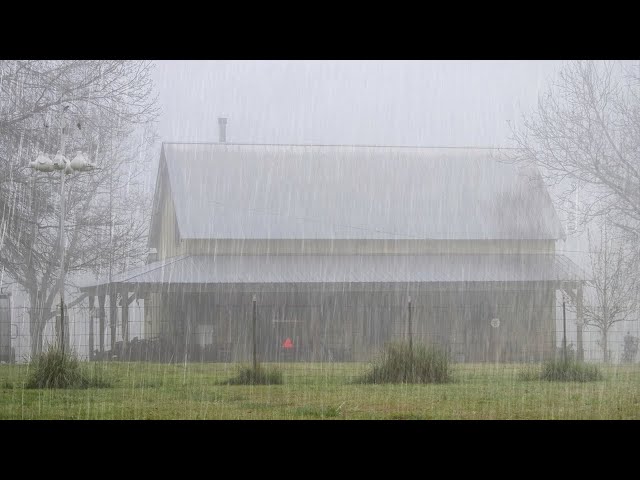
(319, 239)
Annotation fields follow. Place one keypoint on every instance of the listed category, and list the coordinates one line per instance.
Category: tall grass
(570, 371)
(563, 371)
(256, 376)
(55, 369)
(401, 364)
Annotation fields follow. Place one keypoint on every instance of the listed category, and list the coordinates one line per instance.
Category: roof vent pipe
(222, 129)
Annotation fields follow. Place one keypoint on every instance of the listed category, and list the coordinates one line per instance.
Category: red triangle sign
(287, 343)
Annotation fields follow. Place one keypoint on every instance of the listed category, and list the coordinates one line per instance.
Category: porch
(204, 308)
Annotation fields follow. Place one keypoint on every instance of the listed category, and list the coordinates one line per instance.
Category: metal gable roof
(230, 191)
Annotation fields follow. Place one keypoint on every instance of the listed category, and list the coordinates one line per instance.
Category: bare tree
(108, 107)
(613, 296)
(585, 136)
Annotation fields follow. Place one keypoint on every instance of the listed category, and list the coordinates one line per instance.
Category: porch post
(125, 316)
(112, 319)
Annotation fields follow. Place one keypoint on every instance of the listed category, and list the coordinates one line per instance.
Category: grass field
(322, 391)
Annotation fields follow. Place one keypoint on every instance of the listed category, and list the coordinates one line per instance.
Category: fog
(417, 103)
(313, 216)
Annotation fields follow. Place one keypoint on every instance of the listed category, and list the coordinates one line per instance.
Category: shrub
(400, 364)
(256, 376)
(55, 369)
(569, 371)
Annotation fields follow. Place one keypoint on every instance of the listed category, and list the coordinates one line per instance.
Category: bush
(400, 364)
(256, 376)
(55, 369)
(569, 371)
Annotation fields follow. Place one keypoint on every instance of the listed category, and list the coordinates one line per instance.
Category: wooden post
(112, 320)
(410, 328)
(564, 329)
(579, 322)
(189, 308)
(102, 317)
(255, 314)
(91, 307)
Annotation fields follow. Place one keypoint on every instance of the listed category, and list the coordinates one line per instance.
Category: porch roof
(342, 269)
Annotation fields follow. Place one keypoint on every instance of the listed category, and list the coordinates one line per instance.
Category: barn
(333, 251)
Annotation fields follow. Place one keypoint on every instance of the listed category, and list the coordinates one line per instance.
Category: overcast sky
(426, 103)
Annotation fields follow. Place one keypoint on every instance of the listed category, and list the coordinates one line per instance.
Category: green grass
(322, 391)
(401, 364)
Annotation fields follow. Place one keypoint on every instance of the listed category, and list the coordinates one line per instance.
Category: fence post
(564, 329)
(410, 328)
(579, 322)
(255, 314)
(91, 307)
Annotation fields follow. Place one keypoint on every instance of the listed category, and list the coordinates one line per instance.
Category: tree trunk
(605, 346)
(36, 324)
(39, 312)
(36, 330)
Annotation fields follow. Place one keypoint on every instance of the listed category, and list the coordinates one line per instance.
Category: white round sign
(495, 322)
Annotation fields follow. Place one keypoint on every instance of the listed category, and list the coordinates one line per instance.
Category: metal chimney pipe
(222, 129)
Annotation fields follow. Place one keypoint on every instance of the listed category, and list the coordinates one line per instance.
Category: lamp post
(79, 164)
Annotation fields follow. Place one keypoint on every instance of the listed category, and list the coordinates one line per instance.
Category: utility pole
(66, 167)
(112, 294)
(62, 240)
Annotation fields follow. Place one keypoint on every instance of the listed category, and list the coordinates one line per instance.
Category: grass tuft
(562, 371)
(256, 376)
(401, 364)
(570, 371)
(55, 369)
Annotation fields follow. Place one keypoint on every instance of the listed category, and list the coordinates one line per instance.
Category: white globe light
(43, 163)
(60, 161)
(79, 162)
